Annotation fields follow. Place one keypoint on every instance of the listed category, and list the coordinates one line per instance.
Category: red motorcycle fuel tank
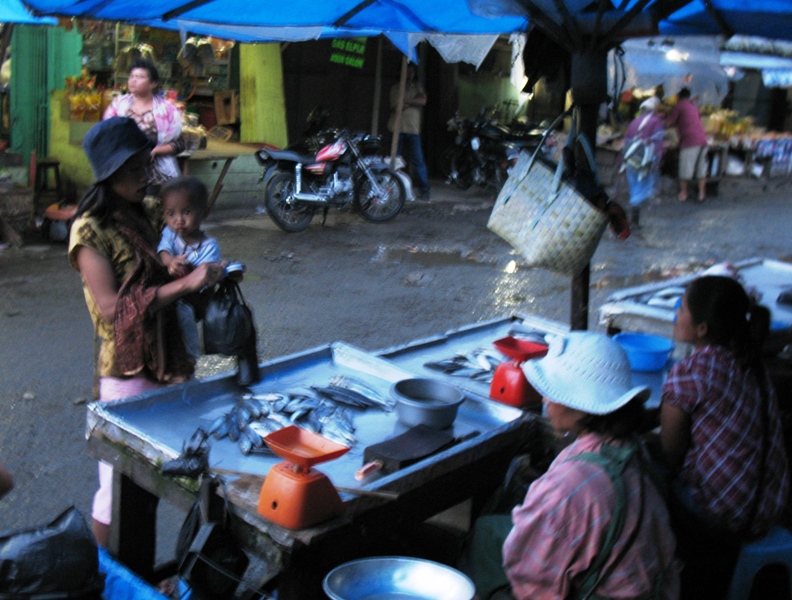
(331, 151)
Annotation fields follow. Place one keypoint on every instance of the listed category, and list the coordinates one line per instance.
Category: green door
(41, 59)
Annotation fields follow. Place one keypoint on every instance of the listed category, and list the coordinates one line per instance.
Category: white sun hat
(586, 371)
(650, 103)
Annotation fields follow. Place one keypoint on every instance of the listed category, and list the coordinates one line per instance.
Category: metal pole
(589, 90)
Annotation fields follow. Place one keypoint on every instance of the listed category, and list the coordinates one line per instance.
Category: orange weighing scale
(509, 384)
(294, 494)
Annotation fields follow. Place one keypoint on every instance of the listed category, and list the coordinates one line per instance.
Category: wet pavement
(433, 268)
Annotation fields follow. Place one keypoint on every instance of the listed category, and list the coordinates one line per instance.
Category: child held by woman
(184, 246)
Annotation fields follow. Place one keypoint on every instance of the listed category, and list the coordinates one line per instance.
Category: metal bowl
(426, 402)
(397, 578)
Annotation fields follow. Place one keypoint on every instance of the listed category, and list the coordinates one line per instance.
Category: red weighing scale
(509, 384)
(294, 494)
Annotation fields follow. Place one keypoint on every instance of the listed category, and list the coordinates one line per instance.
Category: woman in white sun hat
(595, 524)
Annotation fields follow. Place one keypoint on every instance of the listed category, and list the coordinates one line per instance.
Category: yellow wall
(262, 103)
(66, 143)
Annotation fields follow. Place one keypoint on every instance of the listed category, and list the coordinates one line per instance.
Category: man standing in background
(410, 128)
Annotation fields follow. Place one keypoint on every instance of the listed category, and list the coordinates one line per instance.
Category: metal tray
(642, 308)
(413, 355)
(156, 424)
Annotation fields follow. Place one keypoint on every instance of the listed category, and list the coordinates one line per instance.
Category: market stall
(138, 435)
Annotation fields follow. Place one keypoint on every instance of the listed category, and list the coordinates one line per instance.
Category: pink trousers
(111, 388)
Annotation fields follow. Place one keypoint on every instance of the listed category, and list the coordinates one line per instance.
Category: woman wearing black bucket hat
(129, 293)
(595, 524)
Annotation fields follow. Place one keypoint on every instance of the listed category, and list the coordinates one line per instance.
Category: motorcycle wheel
(281, 208)
(385, 206)
(458, 167)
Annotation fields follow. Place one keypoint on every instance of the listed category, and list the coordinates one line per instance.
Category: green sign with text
(349, 52)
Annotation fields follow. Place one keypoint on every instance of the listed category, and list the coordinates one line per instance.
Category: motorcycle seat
(289, 155)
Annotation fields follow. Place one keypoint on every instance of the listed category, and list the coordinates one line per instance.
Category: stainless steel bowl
(397, 578)
(427, 402)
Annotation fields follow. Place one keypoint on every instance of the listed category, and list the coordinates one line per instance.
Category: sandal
(701, 199)
(682, 198)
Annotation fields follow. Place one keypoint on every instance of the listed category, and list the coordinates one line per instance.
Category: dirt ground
(435, 267)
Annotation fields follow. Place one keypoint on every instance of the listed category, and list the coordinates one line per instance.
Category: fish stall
(318, 461)
(650, 308)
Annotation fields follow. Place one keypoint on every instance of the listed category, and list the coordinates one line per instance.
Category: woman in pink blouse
(160, 120)
(595, 524)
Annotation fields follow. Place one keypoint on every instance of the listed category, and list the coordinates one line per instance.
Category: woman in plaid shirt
(721, 434)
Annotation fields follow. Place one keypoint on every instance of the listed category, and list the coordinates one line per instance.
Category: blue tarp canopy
(12, 11)
(569, 20)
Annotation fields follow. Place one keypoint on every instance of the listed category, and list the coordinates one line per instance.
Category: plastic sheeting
(647, 63)
(12, 11)
(123, 584)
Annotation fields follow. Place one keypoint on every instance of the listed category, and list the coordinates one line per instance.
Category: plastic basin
(397, 578)
(646, 352)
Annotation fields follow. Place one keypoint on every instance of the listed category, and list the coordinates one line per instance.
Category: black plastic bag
(229, 329)
(58, 560)
(228, 322)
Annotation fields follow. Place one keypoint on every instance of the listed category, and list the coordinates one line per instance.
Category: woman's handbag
(229, 328)
(228, 321)
(541, 212)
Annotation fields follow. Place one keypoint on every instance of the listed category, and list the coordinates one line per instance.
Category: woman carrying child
(721, 435)
(129, 293)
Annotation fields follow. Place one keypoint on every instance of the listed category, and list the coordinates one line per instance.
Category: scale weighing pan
(518, 349)
(303, 448)
(294, 494)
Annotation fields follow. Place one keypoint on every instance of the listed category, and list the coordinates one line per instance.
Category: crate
(226, 105)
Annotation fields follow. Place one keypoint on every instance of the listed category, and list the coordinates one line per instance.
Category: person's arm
(166, 257)
(672, 117)
(418, 100)
(98, 275)
(6, 480)
(178, 266)
(674, 434)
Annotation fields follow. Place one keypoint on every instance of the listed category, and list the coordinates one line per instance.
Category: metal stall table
(414, 356)
(136, 435)
(650, 308)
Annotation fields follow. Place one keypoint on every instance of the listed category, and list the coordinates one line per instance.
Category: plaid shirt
(723, 463)
(559, 530)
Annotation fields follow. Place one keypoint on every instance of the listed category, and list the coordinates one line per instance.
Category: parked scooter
(346, 170)
(484, 152)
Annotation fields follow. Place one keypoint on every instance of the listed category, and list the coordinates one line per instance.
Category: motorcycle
(346, 170)
(484, 152)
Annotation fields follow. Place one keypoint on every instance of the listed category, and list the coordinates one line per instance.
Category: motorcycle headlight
(475, 143)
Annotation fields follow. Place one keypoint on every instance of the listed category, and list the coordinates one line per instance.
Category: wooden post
(377, 89)
(399, 106)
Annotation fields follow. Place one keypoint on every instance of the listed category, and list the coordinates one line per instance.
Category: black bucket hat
(110, 143)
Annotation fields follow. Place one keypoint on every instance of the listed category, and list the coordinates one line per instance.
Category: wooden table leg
(219, 183)
(133, 532)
